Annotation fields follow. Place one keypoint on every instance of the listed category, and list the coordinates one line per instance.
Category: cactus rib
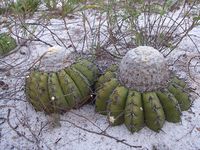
(134, 116)
(181, 95)
(103, 95)
(154, 114)
(116, 105)
(170, 106)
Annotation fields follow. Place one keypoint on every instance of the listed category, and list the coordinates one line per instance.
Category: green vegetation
(64, 7)
(7, 43)
(25, 6)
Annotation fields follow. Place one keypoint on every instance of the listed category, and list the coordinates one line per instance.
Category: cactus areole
(144, 69)
(141, 91)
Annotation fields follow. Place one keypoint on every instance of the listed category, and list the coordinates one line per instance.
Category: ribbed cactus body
(71, 91)
(181, 95)
(170, 106)
(56, 94)
(153, 111)
(88, 70)
(63, 90)
(109, 73)
(134, 116)
(105, 78)
(80, 80)
(179, 82)
(103, 95)
(136, 109)
(116, 105)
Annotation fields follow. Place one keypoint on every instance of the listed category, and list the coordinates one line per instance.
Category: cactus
(7, 43)
(153, 111)
(87, 69)
(57, 92)
(137, 104)
(103, 95)
(139, 108)
(80, 80)
(108, 76)
(179, 82)
(169, 102)
(181, 95)
(110, 73)
(116, 105)
(71, 91)
(134, 116)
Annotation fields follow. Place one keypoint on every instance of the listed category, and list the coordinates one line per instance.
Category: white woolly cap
(54, 59)
(144, 69)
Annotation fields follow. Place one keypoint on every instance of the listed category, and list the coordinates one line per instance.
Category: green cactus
(7, 43)
(179, 82)
(109, 74)
(88, 69)
(153, 111)
(135, 109)
(134, 116)
(71, 91)
(80, 80)
(116, 105)
(57, 92)
(32, 81)
(112, 68)
(181, 95)
(105, 78)
(169, 102)
(103, 96)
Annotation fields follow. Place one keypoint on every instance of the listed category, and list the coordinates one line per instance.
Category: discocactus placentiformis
(141, 91)
(7, 43)
(60, 91)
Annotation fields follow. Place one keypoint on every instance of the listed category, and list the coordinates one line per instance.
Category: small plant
(65, 7)
(25, 7)
(2, 10)
(57, 92)
(159, 24)
(7, 43)
(69, 6)
(51, 4)
(142, 91)
(5, 6)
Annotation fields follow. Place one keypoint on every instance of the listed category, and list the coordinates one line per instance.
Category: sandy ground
(23, 128)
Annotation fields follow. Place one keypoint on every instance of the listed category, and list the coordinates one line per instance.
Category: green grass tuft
(7, 43)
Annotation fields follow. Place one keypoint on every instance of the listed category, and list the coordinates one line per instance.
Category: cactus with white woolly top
(60, 91)
(142, 92)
